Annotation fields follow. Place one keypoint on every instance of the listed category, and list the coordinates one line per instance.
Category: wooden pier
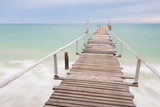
(95, 79)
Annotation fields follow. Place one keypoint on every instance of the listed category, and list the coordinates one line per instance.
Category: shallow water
(22, 45)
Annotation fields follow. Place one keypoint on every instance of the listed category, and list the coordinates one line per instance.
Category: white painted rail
(139, 59)
(54, 54)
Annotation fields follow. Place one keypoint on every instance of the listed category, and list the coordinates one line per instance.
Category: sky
(77, 11)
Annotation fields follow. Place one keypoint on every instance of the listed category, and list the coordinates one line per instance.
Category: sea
(21, 45)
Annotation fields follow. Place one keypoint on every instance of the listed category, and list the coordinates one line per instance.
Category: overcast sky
(76, 11)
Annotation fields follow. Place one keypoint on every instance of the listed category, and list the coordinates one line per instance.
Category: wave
(34, 87)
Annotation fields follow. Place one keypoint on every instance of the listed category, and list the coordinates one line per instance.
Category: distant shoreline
(76, 23)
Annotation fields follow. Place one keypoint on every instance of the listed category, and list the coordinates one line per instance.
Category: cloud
(67, 10)
(37, 4)
(141, 7)
(137, 20)
(129, 20)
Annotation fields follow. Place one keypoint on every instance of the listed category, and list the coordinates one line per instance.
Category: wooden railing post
(137, 71)
(55, 66)
(85, 39)
(77, 47)
(88, 36)
(120, 52)
(97, 27)
(109, 24)
(87, 22)
(114, 40)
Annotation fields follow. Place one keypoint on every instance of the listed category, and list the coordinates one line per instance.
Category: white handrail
(17, 75)
(138, 56)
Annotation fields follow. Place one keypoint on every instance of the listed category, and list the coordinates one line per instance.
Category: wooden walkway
(95, 79)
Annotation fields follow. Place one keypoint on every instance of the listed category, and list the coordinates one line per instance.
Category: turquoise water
(143, 38)
(21, 45)
(25, 41)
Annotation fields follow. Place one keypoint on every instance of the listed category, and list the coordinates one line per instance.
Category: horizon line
(84, 23)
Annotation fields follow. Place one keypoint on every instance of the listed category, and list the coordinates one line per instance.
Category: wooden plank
(97, 51)
(92, 72)
(103, 39)
(95, 87)
(88, 96)
(98, 91)
(102, 61)
(109, 74)
(99, 55)
(100, 74)
(92, 101)
(74, 103)
(98, 82)
(100, 42)
(62, 103)
(97, 65)
(101, 71)
(98, 85)
(92, 77)
(95, 69)
(95, 95)
(99, 46)
(50, 106)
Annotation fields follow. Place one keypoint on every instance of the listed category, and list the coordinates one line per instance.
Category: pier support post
(66, 58)
(137, 71)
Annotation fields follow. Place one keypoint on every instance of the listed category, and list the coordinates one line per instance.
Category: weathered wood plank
(92, 72)
(92, 77)
(97, 65)
(98, 91)
(63, 103)
(97, 51)
(98, 82)
(50, 106)
(88, 96)
(74, 103)
(105, 96)
(96, 87)
(92, 101)
(95, 69)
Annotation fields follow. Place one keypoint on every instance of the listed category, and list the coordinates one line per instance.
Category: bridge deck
(95, 79)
